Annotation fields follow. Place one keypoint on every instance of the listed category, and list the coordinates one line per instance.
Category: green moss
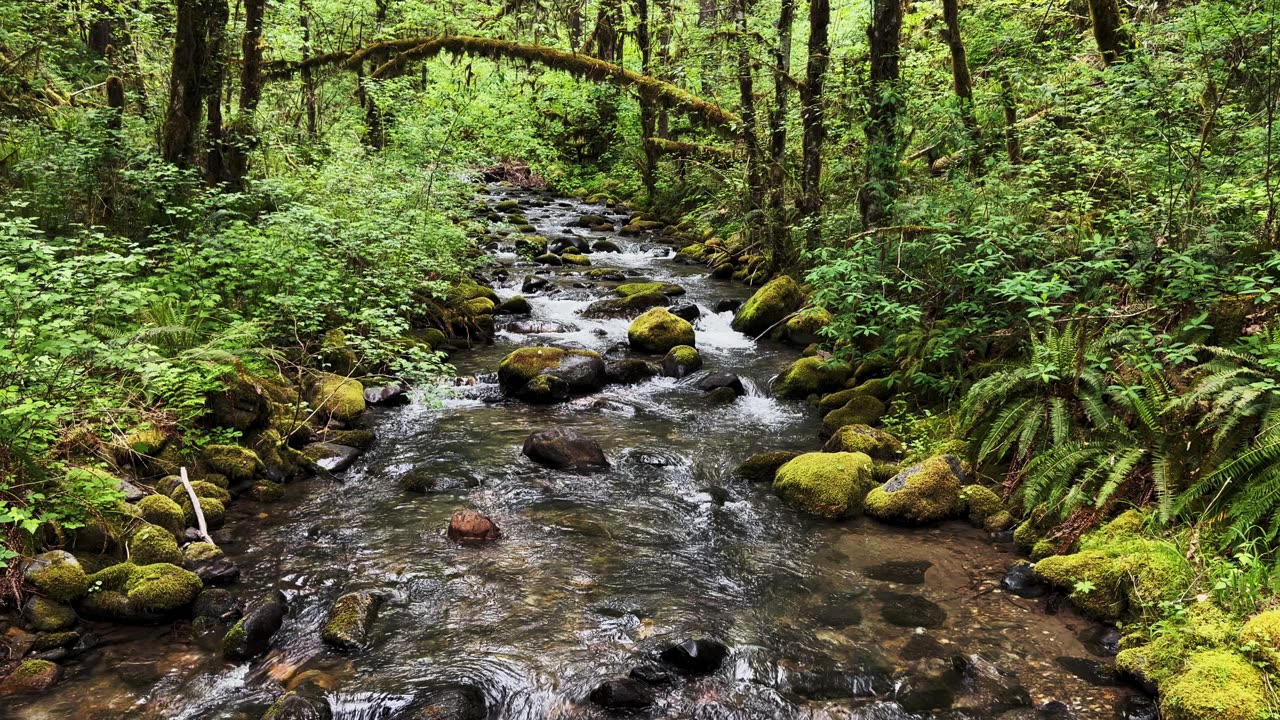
(575, 259)
(835, 400)
(163, 512)
(267, 491)
(763, 467)
(806, 325)
(507, 206)
(1215, 685)
(549, 259)
(878, 444)
(810, 376)
(658, 331)
(625, 307)
(57, 575)
(832, 485)
(774, 301)
(514, 305)
(48, 615)
(146, 442)
(981, 503)
(433, 337)
(862, 410)
(680, 361)
(336, 396)
(1042, 549)
(1261, 635)
(923, 493)
(215, 513)
(878, 388)
(204, 490)
(151, 544)
(161, 587)
(349, 619)
(29, 678)
(352, 438)
(525, 364)
(54, 640)
(696, 252)
(233, 461)
(999, 522)
(477, 306)
(629, 289)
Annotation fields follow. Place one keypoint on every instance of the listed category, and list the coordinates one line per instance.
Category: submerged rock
(30, 677)
(306, 702)
(763, 467)
(696, 656)
(1021, 580)
(251, 636)
(349, 621)
(564, 449)
(622, 694)
(904, 572)
(469, 527)
(910, 611)
(460, 702)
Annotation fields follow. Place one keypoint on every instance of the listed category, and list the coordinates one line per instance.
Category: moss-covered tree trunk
(1114, 38)
(242, 136)
(215, 77)
(812, 117)
(747, 104)
(648, 115)
(667, 11)
(188, 81)
(884, 105)
(1009, 103)
(308, 81)
(779, 227)
(962, 82)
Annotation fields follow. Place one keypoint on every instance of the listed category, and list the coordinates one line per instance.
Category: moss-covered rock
(146, 442)
(347, 627)
(163, 512)
(140, 593)
(926, 492)
(152, 544)
(204, 490)
(861, 410)
(763, 467)
(476, 306)
(1215, 685)
(30, 677)
(336, 396)
(57, 575)
(549, 374)
(251, 636)
(768, 306)
(998, 522)
(696, 252)
(878, 388)
(658, 331)
(550, 259)
(575, 259)
(811, 376)
(680, 361)
(805, 327)
(635, 288)
(507, 206)
(215, 512)
(1261, 635)
(625, 307)
(514, 305)
(981, 503)
(47, 615)
(1155, 659)
(835, 400)
(832, 485)
(878, 444)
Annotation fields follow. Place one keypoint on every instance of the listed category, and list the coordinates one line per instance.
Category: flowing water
(597, 571)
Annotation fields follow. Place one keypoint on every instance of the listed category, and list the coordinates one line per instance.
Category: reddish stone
(469, 526)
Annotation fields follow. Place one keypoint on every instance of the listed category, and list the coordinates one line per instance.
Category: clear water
(597, 570)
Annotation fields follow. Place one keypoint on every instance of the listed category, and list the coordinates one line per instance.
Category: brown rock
(469, 526)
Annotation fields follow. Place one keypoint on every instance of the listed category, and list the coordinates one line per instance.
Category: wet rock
(658, 331)
(330, 456)
(697, 656)
(30, 677)
(515, 305)
(727, 305)
(386, 395)
(605, 246)
(924, 493)
(461, 702)
(469, 527)
(47, 615)
(622, 694)
(921, 646)
(1022, 581)
(629, 372)
(763, 467)
(831, 485)
(910, 611)
(590, 220)
(535, 327)
(715, 381)
(905, 572)
(721, 396)
(868, 673)
(544, 390)
(217, 603)
(838, 610)
(1100, 674)
(251, 636)
(549, 259)
(564, 449)
(209, 563)
(651, 675)
(768, 306)
(533, 283)
(680, 361)
(929, 693)
(1139, 707)
(1101, 640)
(307, 702)
(626, 307)
(428, 479)
(57, 575)
(1054, 710)
(548, 372)
(349, 621)
(140, 593)
(687, 311)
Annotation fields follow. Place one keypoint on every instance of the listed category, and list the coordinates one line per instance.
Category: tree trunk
(1008, 101)
(308, 82)
(781, 232)
(608, 35)
(667, 10)
(747, 100)
(708, 13)
(242, 136)
(811, 118)
(187, 81)
(961, 79)
(648, 118)
(102, 29)
(215, 77)
(884, 106)
(1113, 36)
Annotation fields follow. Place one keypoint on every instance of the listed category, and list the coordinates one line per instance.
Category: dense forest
(1042, 236)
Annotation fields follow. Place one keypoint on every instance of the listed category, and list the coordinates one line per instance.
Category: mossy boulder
(550, 374)
(47, 615)
(57, 575)
(531, 246)
(1216, 685)
(811, 376)
(151, 544)
(209, 563)
(30, 677)
(658, 331)
(550, 259)
(476, 306)
(999, 522)
(878, 388)
(350, 618)
(878, 444)
(832, 485)
(236, 463)
(763, 467)
(680, 361)
(577, 259)
(926, 492)
(774, 301)
(162, 511)
(514, 305)
(240, 405)
(629, 289)
(146, 442)
(251, 636)
(204, 490)
(1261, 634)
(336, 396)
(1153, 660)
(626, 307)
(140, 593)
(507, 206)
(981, 503)
(805, 327)
(215, 512)
(861, 410)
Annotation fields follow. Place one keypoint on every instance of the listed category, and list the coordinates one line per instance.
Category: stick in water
(195, 505)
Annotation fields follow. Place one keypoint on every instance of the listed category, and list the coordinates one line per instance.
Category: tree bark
(781, 232)
(215, 78)
(961, 79)
(667, 10)
(1109, 30)
(884, 107)
(242, 136)
(747, 101)
(812, 117)
(102, 29)
(1008, 101)
(308, 82)
(188, 81)
(608, 36)
(648, 118)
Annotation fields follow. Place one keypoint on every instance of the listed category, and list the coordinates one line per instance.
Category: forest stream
(596, 572)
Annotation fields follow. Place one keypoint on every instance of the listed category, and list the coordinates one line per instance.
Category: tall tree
(884, 105)
(648, 115)
(812, 117)
(189, 79)
(961, 80)
(1109, 30)
(747, 103)
(215, 77)
(782, 250)
(242, 137)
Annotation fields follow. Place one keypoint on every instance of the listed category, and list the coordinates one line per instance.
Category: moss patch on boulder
(981, 503)
(1215, 685)
(926, 492)
(635, 288)
(47, 615)
(1261, 634)
(763, 467)
(347, 627)
(680, 361)
(861, 410)
(57, 575)
(162, 511)
(549, 374)
(626, 306)
(31, 677)
(774, 301)
(811, 376)
(140, 593)
(336, 396)
(152, 544)
(658, 331)
(832, 485)
(806, 326)
(1155, 659)
(878, 444)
